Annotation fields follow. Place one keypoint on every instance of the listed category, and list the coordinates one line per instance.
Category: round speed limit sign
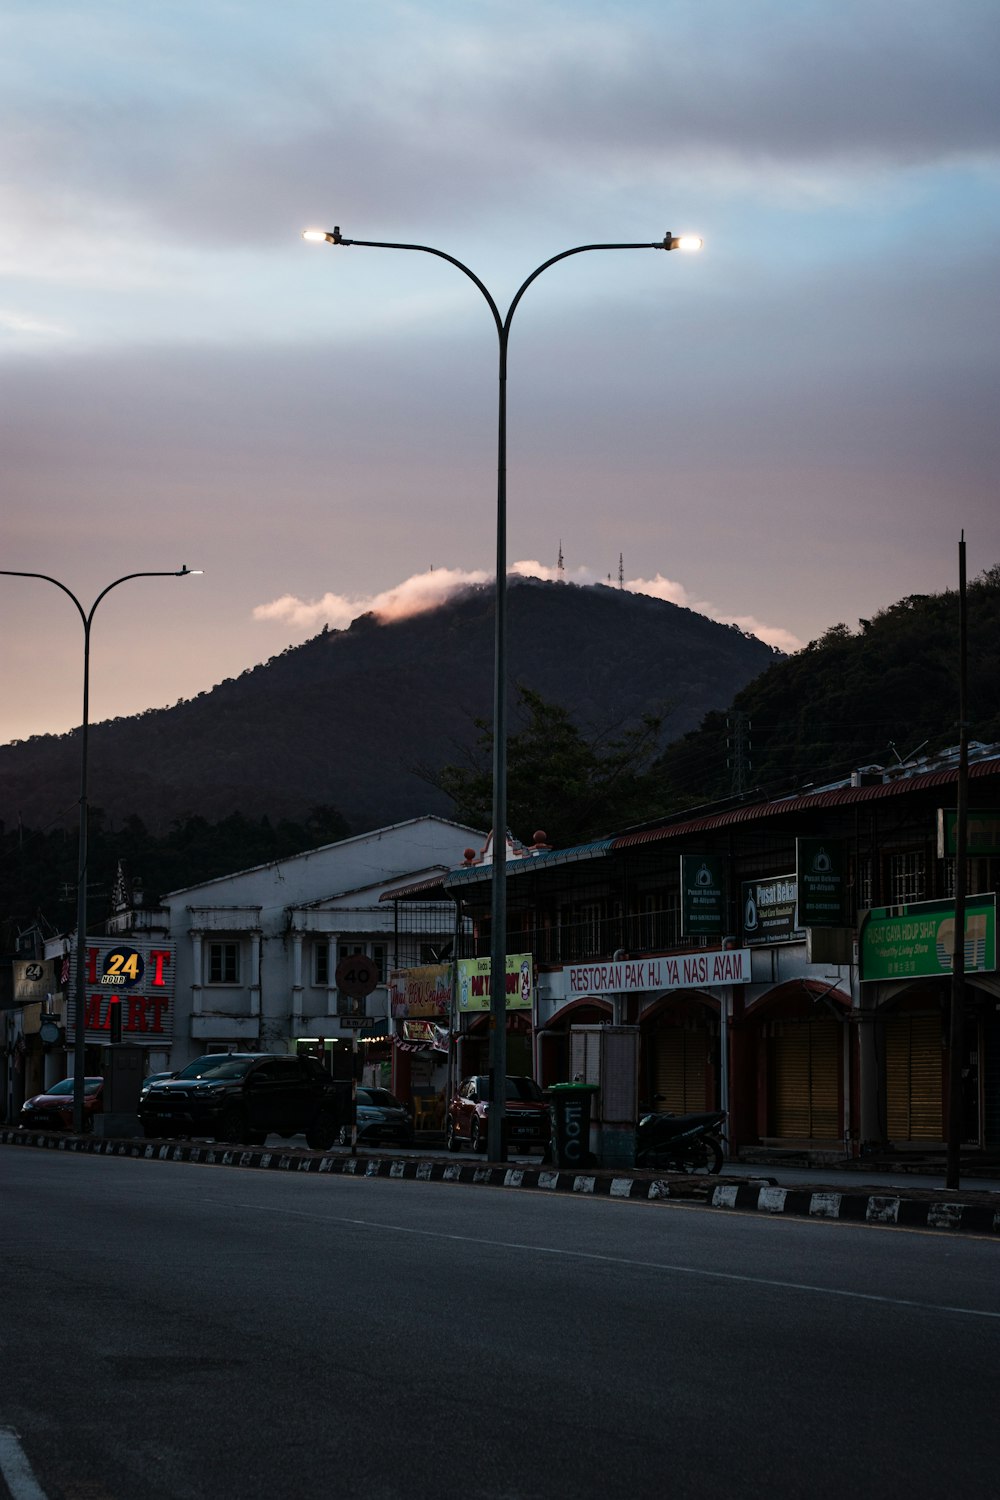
(357, 975)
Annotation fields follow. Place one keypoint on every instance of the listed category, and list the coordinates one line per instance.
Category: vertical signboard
(703, 906)
(820, 869)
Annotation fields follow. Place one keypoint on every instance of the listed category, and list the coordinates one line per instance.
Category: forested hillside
(872, 695)
(352, 718)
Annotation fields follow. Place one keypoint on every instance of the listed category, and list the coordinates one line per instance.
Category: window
(907, 877)
(590, 929)
(321, 963)
(224, 963)
(377, 952)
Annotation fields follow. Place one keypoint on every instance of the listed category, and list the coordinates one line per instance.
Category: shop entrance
(804, 1079)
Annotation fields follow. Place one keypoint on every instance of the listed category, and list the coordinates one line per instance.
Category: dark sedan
(53, 1109)
(381, 1117)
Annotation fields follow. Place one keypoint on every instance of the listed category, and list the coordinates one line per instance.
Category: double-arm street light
(498, 956)
(81, 886)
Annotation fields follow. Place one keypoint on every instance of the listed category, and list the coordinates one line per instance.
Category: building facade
(765, 952)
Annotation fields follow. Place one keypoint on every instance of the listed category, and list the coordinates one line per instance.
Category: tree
(573, 787)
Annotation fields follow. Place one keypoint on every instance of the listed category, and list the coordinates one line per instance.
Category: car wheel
(322, 1133)
(451, 1139)
(232, 1126)
(477, 1139)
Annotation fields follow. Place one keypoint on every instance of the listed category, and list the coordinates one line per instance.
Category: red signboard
(134, 975)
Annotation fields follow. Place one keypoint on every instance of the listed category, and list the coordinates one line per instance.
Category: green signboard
(982, 832)
(918, 941)
(820, 868)
(703, 906)
(769, 912)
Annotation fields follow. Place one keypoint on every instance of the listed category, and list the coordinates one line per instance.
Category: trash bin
(571, 1122)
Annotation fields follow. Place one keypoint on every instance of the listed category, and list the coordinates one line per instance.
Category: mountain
(345, 719)
(871, 697)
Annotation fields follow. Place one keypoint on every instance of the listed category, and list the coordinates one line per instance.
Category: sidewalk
(742, 1187)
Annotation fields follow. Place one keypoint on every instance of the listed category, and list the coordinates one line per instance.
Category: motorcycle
(681, 1143)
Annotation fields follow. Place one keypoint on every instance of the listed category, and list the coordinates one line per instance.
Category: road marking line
(16, 1469)
(618, 1260)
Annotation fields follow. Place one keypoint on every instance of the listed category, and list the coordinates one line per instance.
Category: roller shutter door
(682, 1070)
(913, 1077)
(805, 1081)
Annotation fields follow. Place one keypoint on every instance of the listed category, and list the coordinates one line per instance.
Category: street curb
(916, 1209)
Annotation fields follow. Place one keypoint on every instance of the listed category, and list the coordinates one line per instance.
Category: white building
(257, 951)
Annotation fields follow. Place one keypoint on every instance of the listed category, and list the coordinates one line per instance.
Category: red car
(53, 1110)
(527, 1123)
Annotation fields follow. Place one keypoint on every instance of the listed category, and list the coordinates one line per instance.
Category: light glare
(314, 234)
(688, 242)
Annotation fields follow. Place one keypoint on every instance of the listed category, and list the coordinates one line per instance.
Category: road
(178, 1332)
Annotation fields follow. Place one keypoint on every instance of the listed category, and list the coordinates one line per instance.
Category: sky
(788, 430)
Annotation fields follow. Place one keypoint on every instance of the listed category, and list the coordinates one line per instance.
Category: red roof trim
(840, 797)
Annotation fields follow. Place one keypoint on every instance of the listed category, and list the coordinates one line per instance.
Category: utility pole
(956, 1027)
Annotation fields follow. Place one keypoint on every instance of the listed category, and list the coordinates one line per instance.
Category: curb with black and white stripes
(917, 1210)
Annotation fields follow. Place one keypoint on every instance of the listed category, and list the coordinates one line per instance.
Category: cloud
(444, 115)
(675, 593)
(24, 326)
(414, 596)
(426, 591)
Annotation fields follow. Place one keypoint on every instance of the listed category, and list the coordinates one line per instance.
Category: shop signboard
(34, 979)
(982, 832)
(821, 872)
(702, 895)
(421, 991)
(918, 941)
(769, 911)
(474, 983)
(135, 975)
(680, 971)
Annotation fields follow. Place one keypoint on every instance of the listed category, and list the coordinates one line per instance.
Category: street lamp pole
(86, 618)
(498, 908)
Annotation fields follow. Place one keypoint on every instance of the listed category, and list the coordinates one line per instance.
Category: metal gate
(682, 1070)
(804, 1076)
(913, 1078)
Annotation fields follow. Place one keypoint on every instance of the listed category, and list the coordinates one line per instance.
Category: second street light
(86, 618)
(498, 917)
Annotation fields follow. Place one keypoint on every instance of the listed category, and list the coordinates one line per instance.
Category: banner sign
(474, 983)
(918, 941)
(682, 971)
(423, 991)
(702, 895)
(769, 911)
(138, 976)
(821, 871)
(982, 832)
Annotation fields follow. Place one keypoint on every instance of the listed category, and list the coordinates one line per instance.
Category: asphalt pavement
(174, 1330)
